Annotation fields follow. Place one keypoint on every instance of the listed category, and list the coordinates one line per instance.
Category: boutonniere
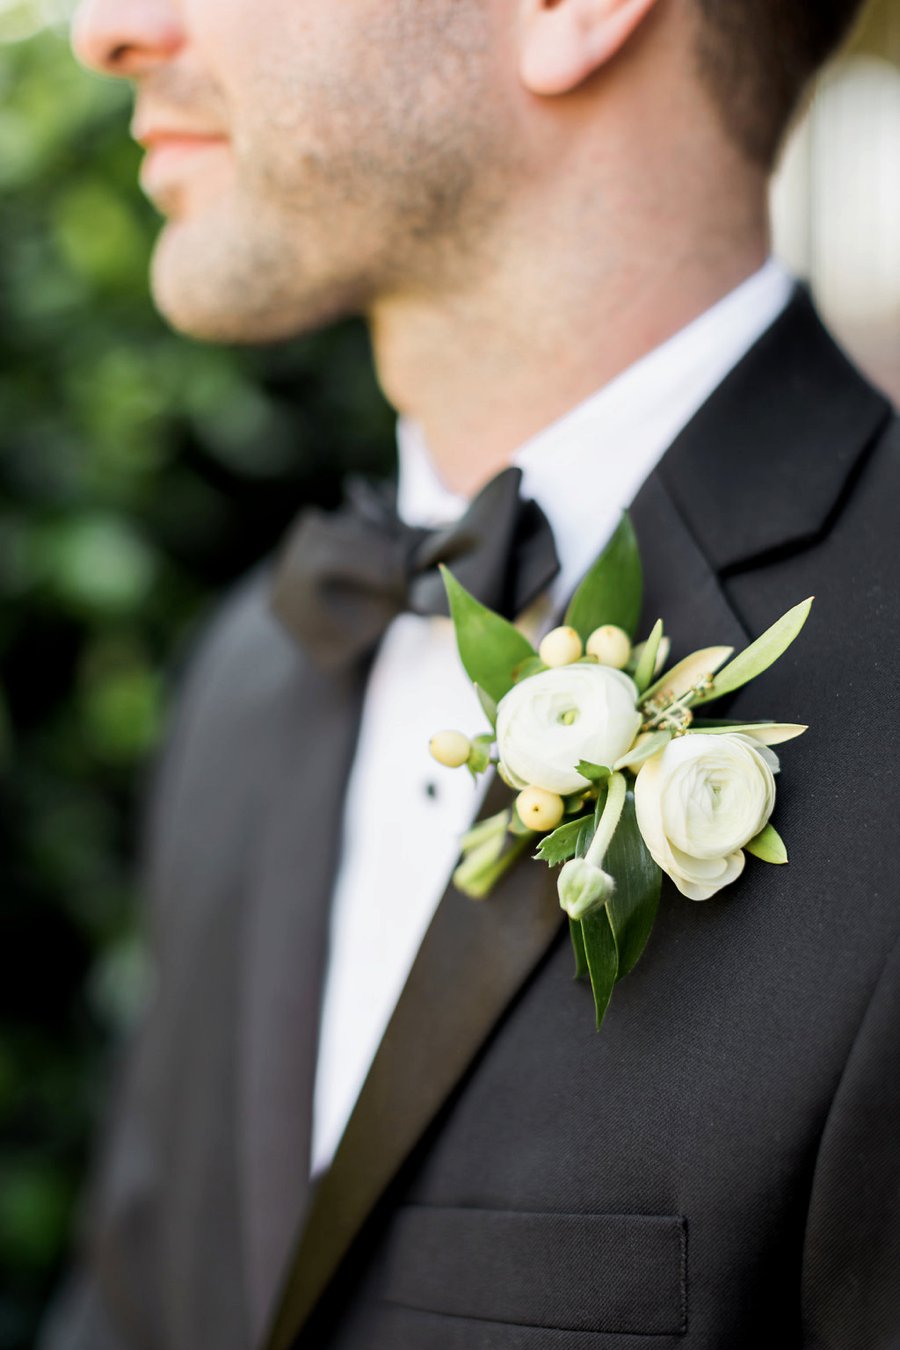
(617, 778)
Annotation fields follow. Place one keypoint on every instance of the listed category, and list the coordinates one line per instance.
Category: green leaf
(568, 841)
(612, 590)
(480, 755)
(768, 733)
(532, 666)
(594, 773)
(576, 802)
(713, 724)
(492, 827)
(602, 959)
(477, 867)
(643, 676)
(687, 673)
(575, 933)
(478, 873)
(488, 705)
(761, 654)
(633, 907)
(646, 750)
(489, 647)
(769, 846)
(600, 804)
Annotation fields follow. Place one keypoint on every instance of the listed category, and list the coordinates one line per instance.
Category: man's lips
(148, 130)
(171, 151)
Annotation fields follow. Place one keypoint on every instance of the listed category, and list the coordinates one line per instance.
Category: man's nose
(126, 37)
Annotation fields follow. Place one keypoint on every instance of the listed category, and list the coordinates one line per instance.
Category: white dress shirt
(404, 814)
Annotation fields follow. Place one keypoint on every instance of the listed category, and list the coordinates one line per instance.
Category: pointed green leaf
(602, 959)
(767, 733)
(480, 755)
(492, 827)
(644, 751)
(594, 773)
(568, 841)
(576, 802)
(769, 846)
(687, 673)
(637, 652)
(778, 733)
(488, 705)
(489, 647)
(478, 873)
(643, 676)
(525, 669)
(761, 654)
(476, 866)
(632, 909)
(612, 590)
(575, 933)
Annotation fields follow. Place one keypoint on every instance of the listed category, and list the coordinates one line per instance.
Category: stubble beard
(399, 195)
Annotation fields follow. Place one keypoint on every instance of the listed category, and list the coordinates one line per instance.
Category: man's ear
(562, 42)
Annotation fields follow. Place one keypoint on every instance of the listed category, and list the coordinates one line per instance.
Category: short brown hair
(757, 58)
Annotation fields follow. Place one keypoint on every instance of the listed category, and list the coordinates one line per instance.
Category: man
(552, 214)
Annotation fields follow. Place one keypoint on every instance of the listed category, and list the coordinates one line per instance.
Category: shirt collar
(585, 469)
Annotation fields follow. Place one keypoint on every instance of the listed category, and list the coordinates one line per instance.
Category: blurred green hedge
(139, 474)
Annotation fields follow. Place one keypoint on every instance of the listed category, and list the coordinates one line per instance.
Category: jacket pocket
(615, 1273)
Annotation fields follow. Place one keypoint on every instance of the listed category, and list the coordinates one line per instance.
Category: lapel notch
(767, 459)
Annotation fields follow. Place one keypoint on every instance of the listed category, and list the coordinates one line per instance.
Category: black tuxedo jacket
(720, 1167)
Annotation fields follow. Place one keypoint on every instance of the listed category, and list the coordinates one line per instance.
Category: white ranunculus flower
(699, 802)
(550, 721)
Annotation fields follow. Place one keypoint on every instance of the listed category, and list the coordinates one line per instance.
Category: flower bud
(539, 810)
(561, 647)
(582, 887)
(450, 748)
(610, 645)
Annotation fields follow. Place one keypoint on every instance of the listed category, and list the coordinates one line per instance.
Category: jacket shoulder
(240, 671)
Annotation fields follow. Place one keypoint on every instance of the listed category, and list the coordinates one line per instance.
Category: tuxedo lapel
(769, 457)
(473, 960)
(729, 490)
(680, 587)
(283, 956)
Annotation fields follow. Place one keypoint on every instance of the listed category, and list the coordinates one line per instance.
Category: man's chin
(213, 294)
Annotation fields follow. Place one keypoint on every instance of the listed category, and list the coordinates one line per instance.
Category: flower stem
(673, 716)
(612, 814)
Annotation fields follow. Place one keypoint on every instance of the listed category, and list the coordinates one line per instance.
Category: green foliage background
(139, 474)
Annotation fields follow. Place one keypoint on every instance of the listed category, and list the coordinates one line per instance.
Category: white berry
(610, 645)
(561, 647)
(450, 748)
(539, 810)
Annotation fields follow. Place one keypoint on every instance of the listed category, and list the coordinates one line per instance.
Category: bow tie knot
(343, 576)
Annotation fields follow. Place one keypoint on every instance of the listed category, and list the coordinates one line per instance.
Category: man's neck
(484, 372)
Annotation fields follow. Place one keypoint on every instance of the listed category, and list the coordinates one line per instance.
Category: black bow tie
(344, 575)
